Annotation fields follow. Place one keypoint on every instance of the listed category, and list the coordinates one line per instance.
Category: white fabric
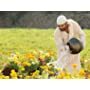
(65, 59)
(61, 20)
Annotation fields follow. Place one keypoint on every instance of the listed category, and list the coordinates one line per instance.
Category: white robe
(65, 59)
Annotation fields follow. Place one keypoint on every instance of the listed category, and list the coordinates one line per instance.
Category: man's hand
(67, 48)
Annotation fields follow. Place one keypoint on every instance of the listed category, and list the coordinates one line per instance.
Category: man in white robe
(65, 30)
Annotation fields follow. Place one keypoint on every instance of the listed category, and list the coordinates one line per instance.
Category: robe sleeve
(80, 33)
(59, 42)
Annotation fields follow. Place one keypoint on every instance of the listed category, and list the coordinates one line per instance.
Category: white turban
(61, 20)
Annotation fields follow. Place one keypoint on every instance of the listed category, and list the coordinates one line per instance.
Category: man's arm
(81, 34)
(59, 42)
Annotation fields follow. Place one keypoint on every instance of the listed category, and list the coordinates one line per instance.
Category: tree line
(41, 19)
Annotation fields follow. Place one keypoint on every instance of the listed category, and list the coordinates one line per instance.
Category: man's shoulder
(57, 31)
(72, 21)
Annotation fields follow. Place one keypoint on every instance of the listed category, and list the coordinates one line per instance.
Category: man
(67, 29)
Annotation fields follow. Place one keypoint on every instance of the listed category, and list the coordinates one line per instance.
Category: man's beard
(64, 29)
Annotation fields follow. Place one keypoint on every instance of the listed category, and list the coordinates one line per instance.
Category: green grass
(85, 54)
(25, 40)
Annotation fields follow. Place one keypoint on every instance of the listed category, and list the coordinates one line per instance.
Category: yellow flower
(35, 74)
(16, 61)
(0, 71)
(22, 68)
(30, 56)
(14, 78)
(67, 77)
(20, 76)
(51, 53)
(6, 77)
(89, 76)
(81, 72)
(51, 72)
(47, 54)
(59, 69)
(35, 53)
(2, 76)
(14, 56)
(85, 61)
(27, 77)
(13, 74)
(74, 65)
(45, 68)
(61, 75)
(42, 57)
(26, 64)
(41, 52)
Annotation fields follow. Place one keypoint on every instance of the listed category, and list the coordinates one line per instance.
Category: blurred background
(41, 19)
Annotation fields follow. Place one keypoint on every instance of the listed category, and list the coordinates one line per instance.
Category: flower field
(27, 54)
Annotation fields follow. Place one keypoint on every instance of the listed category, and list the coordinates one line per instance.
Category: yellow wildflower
(74, 65)
(0, 71)
(20, 76)
(81, 72)
(6, 77)
(85, 61)
(30, 56)
(41, 52)
(35, 53)
(89, 76)
(1, 76)
(47, 54)
(44, 67)
(61, 75)
(14, 56)
(16, 61)
(26, 64)
(22, 68)
(35, 74)
(27, 77)
(42, 57)
(59, 69)
(51, 72)
(13, 74)
(51, 53)
(67, 77)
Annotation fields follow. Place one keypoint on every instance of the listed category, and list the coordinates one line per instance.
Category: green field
(15, 43)
(25, 40)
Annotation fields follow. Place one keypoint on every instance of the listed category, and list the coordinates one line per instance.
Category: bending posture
(65, 30)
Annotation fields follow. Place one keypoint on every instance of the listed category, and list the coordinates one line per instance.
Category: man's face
(63, 27)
